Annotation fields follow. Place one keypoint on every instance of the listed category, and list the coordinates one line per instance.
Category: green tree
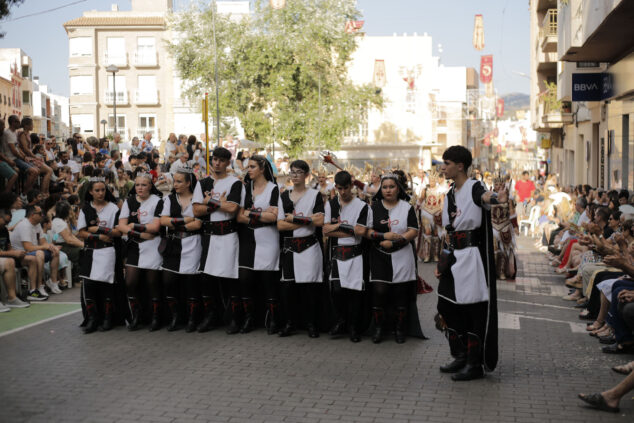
(283, 73)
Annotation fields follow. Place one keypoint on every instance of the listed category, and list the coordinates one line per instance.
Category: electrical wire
(44, 11)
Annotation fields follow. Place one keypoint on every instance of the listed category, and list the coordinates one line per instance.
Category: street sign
(591, 86)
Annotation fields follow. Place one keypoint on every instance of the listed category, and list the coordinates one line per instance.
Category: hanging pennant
(478, 33)
(486, 69)
(379, 79)
(354, 26)
(489, 92)
(277, 4)
(500, 107)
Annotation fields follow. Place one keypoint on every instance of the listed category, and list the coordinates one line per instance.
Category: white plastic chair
(531, 222)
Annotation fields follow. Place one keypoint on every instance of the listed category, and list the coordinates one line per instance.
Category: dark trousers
(622, 331)
(73, 254)
(465, 318)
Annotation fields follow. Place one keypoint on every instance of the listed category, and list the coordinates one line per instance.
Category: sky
(449, 22)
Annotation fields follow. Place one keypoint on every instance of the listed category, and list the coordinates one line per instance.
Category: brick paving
(51, 372)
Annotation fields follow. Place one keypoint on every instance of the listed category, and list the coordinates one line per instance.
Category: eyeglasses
(296, 172)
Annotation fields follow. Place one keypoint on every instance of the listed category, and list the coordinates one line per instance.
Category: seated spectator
(64, 263)
(28, 236)
(25, 145)
(8, 259)
(11, 150)
(8, 168)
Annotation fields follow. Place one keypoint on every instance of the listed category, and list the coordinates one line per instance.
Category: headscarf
(96, 180)
(265, 165)
(153, 189)
(188, 171)
(402, 193)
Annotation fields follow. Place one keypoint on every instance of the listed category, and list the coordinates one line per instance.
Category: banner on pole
(478, 33)
(500, 107)
(486, 69)
(379, 79)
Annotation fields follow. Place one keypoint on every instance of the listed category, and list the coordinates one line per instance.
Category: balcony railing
(548, 30)
(145, 60)
(148, 98)
(121, 96)
(121, 131)
(119, 59)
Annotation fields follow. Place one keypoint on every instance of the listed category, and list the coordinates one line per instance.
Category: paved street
(51, 372)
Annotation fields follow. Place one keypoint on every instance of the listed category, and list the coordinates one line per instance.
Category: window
(121, 125)
(81, 85)
(146, 51)
(80, 46)
(83, 123)
(26, 71)
(146, 93)
(147, 123)
(26, 97)
(120, 86)
(115, 53)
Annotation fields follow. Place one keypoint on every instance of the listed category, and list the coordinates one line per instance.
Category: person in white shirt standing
(28, 236)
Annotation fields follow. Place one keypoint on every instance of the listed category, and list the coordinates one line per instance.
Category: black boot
(400, 333)
(458, 351)
(273, 306)
(234, 324)
(379, 319)
(287, 330)
(355, 336)
(92, 322)
(249, 315)
(338, 328)
(108, 311)
(313, 331)
(156, 315)
(172, 304)
(135, 313)
(210, 316)
(192, 305)
(474, 368)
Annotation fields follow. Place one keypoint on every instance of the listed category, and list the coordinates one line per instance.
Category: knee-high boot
(156, 315)
(339, 304)
(400, 333)
(208, 321)
(474, 368)
(172, 304)
(236, 308)
(249, 315)
(92, 321)
(193, 306)
(135, 313)
(426, 248)
(378, 313)
(273, 307)
(108, 311)
(458, 351)
(435, 248)
(500, 265)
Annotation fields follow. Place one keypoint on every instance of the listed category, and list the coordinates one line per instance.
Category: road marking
(535, 304)
(39, 322)
(512, 321)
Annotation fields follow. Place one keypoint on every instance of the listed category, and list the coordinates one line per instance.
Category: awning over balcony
(611, 41)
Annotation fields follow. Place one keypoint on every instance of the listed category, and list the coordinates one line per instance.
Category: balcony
(547, 62)
(121, 97)
(146, 98)
(548, 32)
(556, 117)
(118, 59)
(146, 60)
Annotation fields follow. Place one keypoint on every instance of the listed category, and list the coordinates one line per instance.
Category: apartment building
(582, 89)
(50, 112)
(6, 92)
(16, 66)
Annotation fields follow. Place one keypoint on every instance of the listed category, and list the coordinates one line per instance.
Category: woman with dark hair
(63, 235)
(393, 257)
(191, 146)
(299, 218)
(139, 220)
(181, 257)
(259, 242)
(97, 227)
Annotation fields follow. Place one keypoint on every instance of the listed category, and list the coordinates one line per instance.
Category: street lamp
(103, 122)
(114, 70)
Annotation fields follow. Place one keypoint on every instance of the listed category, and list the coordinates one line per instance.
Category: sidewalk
(51, 372)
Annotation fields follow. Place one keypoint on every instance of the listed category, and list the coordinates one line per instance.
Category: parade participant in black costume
(139, 220)
(181, 255)
(345, 224)
(217, 199)
(301, 214)
(467, 299)
(392, 258)
(259, 242)
(97, 227)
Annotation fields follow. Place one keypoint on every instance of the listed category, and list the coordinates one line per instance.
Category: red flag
(354, 26)
(486, 69)
(500, 107)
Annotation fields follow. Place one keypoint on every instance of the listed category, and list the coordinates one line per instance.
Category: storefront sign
(591, 86)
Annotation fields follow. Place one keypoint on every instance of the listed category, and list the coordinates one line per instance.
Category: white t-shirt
(74, 166)
(8, 137)
(25, 232)
(57, 226)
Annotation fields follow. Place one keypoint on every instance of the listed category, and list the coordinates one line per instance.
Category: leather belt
(299, 244)
(181, 234)
(220, 227)
(346, 252)
(459, 240)
(97, 245)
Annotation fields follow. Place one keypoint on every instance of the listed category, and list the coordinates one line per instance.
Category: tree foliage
(5, 6)
(283, 73)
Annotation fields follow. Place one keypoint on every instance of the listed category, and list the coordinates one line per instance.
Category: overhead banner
(354, 26)
(478, 33)
(499, 108)
(379, 79)
(486, 69)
